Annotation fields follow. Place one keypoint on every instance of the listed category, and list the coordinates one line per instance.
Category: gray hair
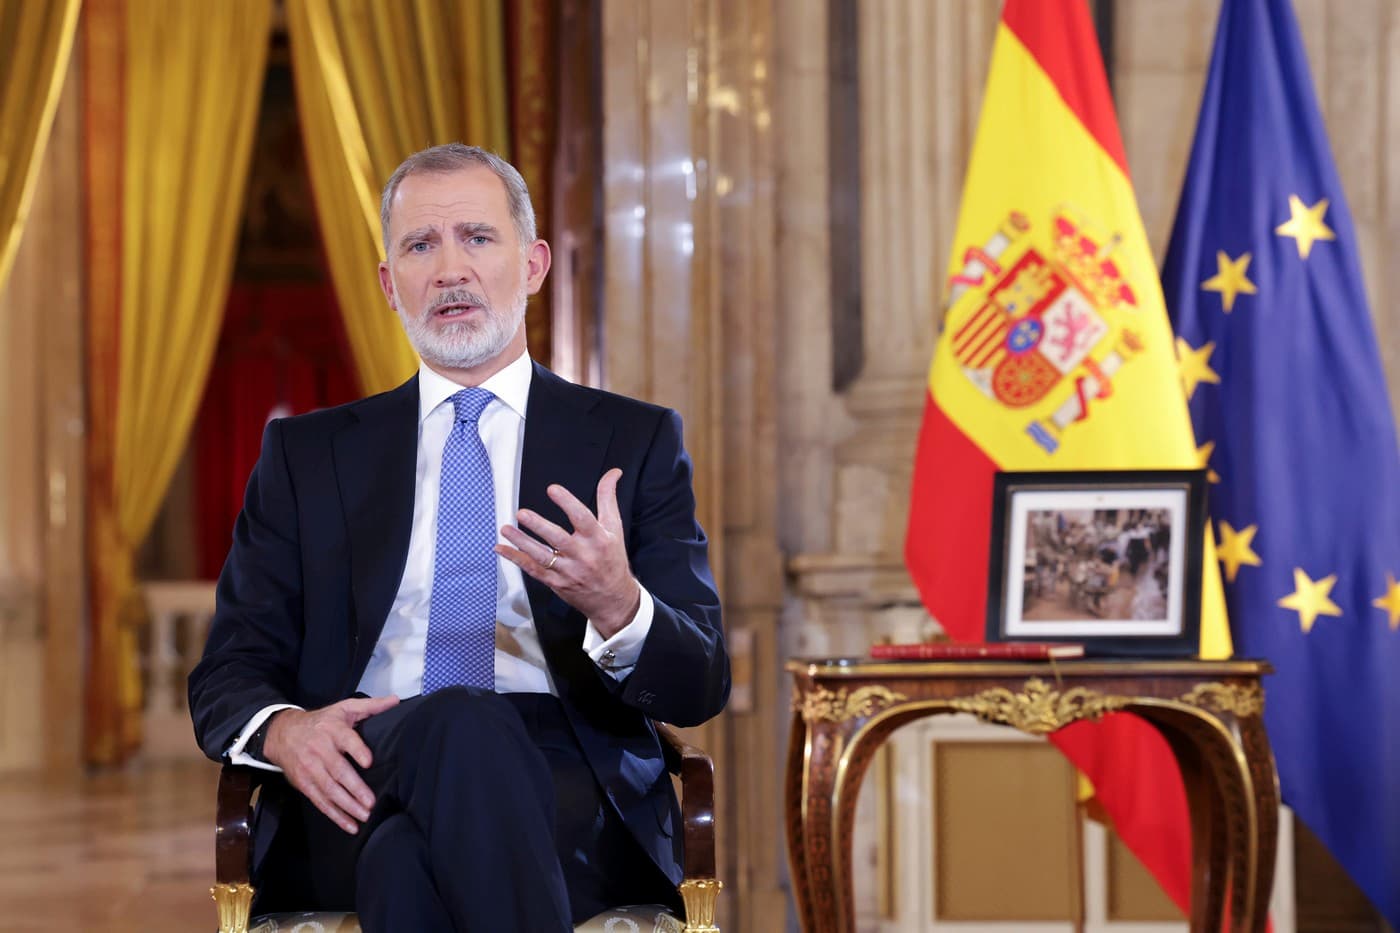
(451, 157)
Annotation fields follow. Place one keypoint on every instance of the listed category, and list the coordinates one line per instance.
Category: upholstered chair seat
(646, 919)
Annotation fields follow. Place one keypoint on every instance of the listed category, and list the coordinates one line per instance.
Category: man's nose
(454, 268)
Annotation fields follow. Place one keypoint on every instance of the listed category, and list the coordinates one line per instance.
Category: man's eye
(418, 247)
(479, 240)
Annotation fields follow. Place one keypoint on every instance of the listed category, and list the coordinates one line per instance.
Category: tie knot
(468, 404)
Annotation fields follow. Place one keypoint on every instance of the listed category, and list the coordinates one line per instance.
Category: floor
(121, 851)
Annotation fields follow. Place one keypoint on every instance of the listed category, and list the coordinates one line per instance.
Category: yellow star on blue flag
(1305, 224)
(1310, 598)
(1230, 280)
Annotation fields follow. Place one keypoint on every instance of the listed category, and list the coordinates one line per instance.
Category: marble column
(688, 322)
(41, 466)
(921, 71)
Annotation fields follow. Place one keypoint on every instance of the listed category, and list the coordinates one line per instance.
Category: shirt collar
(510, 385)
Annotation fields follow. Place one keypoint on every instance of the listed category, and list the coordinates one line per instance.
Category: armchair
(233, 891)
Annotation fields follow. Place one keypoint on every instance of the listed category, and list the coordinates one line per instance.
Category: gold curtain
(191, 76)
(376, 82)
(36, 40)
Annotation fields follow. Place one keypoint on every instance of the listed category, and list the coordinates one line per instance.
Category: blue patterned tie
(461, 648)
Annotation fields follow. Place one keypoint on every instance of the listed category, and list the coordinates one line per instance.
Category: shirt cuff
(618, 655)
(235, 753)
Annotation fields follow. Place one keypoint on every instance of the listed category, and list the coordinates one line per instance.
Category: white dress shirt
(396, 665)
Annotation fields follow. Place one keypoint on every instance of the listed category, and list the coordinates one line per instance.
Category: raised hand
(310, 748)
(588, 568)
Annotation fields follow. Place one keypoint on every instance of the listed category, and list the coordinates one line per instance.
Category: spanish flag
(1056, 353)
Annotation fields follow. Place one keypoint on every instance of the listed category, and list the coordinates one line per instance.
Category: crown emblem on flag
(1038, 321)
(1091, 266)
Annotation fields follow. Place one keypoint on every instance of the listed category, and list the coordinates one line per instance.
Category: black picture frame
(1111, 559)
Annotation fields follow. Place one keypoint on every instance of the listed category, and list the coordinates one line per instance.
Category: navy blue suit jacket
(321, 544)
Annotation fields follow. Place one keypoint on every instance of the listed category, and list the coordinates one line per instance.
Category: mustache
(456, 296)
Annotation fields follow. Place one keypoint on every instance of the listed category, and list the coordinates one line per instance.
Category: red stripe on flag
(1138, 783)
(953, 481)
(991, 360)
(988, 347)
(1060, 35)
(984, 316)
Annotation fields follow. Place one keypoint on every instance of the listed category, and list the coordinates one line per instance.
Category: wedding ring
(553, 556)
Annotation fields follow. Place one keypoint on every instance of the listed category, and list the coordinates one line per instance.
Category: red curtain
(282, 352)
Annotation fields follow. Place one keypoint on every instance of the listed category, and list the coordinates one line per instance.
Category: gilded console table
(1210, 712)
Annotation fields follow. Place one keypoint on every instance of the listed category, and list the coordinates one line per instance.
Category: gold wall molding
(1039, 709)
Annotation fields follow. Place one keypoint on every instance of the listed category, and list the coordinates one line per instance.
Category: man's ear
(386, 283)
(537, 261)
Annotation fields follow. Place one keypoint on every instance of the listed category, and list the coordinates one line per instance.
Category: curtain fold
(36, 41)
(376, 82)
(191, 78)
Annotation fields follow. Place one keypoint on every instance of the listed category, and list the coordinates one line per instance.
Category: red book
(959, 651)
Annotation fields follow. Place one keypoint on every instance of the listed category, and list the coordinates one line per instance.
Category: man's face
(457, 273)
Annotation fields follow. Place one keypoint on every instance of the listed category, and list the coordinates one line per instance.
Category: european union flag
(1278, 357)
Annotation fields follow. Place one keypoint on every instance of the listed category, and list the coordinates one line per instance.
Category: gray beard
(463, 344)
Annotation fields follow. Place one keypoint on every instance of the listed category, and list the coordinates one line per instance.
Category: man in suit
(464, 716)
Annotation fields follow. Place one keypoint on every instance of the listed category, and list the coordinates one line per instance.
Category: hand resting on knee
(311, 748)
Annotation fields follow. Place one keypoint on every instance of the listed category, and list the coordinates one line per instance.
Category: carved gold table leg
(1237, 813)
(1233, 797)
(828, 908)
(1235, 788)
(1264, 781)
(795, 805)
(1207, 834)
(839, 755)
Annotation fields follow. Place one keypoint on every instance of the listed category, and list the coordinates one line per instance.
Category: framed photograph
(1109, 558)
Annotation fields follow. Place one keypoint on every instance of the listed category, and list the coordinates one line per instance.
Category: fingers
(362, 708)
(520, 559)
(327, 779)
(353, 813)
(351, 744)
(356, 710)
(564, 560)
(608, 515)
(349, 790)
(536, 553)
(550, 533)
(316, 762)
(583, 520)
(321, 801)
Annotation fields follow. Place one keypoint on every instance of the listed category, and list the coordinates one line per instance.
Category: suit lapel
(376, 460)
(565, 444)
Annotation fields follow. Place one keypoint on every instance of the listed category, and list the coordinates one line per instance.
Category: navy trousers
(487, 818)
